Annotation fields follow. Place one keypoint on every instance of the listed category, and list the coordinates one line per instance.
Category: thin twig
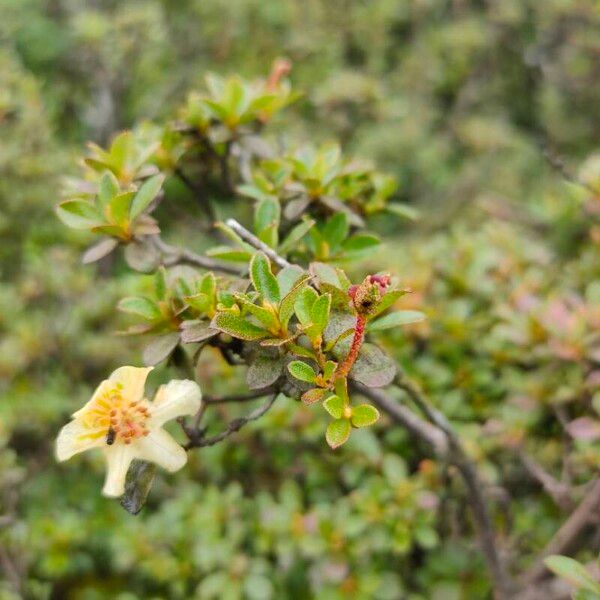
(251, 239)
(468, 471)
(403, 416)
(203, 200)
(558, 491)
(233, 426)
(242, 397)
(566, 536)
(10, 570)
(172, 255)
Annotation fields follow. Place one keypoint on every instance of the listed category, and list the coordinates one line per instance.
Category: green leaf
(287, 277)
(251, 191)
(334, 405)
(426, 537)
(79, 214)
(573, 571)
(108, 189)
(119, 207)
(329, 369)
(395, 319)
(336, 230)
(388, 300)
(234, 237)
(300, 370)
(319, 312)
(143, 307)
(238, 327)
(364, 415)
(295, 235)
(359, 244)
(230, 254)
(325, 273)
(264, 315)
(208, 284)
(138, 483)
(338, 432)
(269, 236)
(403, 210)
(121, 148)
(160, 283)
(314, 395)
(304, 303)
(302, 351)
(286, 307)
(266, 214)
(394, 469)
(263, 279)
(145, 195)
(200, 302)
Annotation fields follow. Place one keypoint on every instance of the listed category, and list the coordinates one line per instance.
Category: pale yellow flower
(120, 421)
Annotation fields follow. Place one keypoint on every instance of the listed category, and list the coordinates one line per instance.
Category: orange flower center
(117, 418)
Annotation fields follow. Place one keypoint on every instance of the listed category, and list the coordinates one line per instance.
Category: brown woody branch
(407, 418)
(558, 491)
(199, 441)
(242, 397)
(439, 434)
(172, 255)
(567, 535)
(200, 194)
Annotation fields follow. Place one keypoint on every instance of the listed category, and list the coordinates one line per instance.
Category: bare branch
(233, 427)
(558, 491)
(242, 397)
(203, 200)
(172, 255)
(566, 536)
(11, 570)
(404, 416)
(251, 239)
(468, 471)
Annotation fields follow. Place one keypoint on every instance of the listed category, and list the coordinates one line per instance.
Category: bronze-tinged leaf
(160, 348)
(339, 322)
(99, 250)
(314, 395)
(140, 477)
(196, 331)
(373, 367)
(264, 371)
(142, 256)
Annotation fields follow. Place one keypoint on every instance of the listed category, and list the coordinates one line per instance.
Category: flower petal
(176, 399)
(74, 438)
(118, 458)
(160, 448)
(132, 379)
(104, 388)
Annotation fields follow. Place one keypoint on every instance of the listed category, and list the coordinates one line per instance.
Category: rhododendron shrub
(281, 293)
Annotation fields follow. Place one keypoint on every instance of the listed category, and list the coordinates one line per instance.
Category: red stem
(357, 340)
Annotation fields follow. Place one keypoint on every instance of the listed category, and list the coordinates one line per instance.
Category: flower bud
(366, 296)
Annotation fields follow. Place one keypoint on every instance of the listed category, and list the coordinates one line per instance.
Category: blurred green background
(488, 113)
